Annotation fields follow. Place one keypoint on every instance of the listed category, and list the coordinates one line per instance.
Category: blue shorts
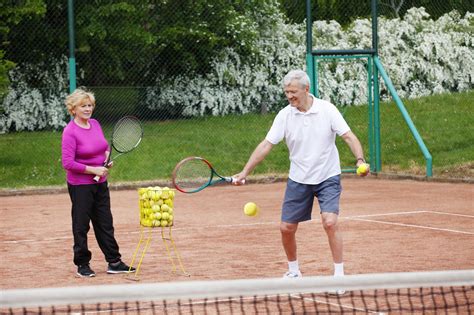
(299, 198)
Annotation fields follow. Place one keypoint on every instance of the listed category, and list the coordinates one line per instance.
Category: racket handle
(107, 164)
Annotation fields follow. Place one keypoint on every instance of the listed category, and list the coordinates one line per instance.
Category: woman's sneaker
(85, 271)
(119, 267)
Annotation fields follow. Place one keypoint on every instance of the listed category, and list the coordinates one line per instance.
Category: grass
(31, 159)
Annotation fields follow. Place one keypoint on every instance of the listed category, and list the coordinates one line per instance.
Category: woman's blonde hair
(76, 98)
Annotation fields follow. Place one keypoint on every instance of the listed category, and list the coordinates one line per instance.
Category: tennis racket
(194, 173)
(127, 135)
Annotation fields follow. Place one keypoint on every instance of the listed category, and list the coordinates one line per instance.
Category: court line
(453, 214)
(353, 218)
(412, 226)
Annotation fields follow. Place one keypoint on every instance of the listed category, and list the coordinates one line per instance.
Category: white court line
(412, 225)
(350, 307)
(224, 226)
(384, 214)
(200, 302)
(453, 214)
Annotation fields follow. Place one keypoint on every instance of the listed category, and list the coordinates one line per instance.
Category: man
(309, 127)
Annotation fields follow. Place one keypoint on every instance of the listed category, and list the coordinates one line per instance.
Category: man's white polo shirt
(311, 140)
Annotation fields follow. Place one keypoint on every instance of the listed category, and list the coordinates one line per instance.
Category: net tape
(400, 292)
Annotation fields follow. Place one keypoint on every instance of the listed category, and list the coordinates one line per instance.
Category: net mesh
(192, 174)
(127, 134)
(448, 292)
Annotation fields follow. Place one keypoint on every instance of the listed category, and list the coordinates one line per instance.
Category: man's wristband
(360, 159)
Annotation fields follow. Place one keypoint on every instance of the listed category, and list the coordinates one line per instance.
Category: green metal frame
(72, 58)
(373, 112)
(374, 68)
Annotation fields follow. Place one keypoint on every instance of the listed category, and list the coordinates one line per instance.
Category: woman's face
(84, 110)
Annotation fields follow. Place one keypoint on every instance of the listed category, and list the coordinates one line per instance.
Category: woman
(84, 150)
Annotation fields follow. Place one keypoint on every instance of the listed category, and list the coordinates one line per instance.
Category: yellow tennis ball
(363, 169)
(165, 208)
(251, 209)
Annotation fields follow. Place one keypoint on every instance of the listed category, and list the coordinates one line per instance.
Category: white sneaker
(339, 291)
(292, 275)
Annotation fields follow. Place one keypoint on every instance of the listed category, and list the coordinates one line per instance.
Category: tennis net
(439, 292)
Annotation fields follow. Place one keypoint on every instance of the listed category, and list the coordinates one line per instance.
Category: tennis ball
(250, 209)
(165, 208)
(363, 169)
(169, 202)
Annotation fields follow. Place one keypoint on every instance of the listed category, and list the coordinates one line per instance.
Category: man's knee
(288, 228)
(329, 221)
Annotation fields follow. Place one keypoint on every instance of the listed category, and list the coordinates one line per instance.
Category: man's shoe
(338, 291)
(85, 271)
(119, 267)
(292, 275)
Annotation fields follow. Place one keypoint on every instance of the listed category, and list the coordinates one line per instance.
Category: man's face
(296, 94)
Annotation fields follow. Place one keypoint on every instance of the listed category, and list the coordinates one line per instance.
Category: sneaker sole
(115, 272)
(85, 276)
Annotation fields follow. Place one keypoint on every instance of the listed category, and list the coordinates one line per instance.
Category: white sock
(293, 266)
(339, 269)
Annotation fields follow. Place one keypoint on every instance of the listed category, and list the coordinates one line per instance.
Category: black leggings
(92, 203)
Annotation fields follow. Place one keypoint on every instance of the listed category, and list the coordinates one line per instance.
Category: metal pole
(378, 147)
(309, 48)
(375, 45)
(72, 45)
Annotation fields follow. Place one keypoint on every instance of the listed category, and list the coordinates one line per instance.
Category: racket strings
(192, 175)
(127, 134)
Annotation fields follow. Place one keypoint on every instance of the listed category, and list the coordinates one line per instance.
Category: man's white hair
(298, 75)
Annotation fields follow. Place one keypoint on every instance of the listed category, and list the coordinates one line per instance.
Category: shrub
(35, 99)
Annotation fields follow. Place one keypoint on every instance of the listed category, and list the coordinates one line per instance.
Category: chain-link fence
(205, 76)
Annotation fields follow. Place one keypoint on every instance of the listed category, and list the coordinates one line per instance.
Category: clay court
(388, 225)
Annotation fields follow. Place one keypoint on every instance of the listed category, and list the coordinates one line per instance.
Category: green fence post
(370, 108)
(377, 143)
(72, 59)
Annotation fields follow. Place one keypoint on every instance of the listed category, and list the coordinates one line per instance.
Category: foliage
(5, 66)
(212, 57)
(235, 83)
(346, 11)
(12, 13)
(30, 108)
(115, 37)
(411, 50)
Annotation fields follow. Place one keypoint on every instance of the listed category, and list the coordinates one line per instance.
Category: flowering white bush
(234, 84)
(30, 108)
(421, 56)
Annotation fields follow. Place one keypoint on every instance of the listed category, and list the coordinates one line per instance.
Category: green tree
(12, 13)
